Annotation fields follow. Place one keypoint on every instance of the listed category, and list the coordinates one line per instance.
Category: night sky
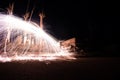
(94, 24)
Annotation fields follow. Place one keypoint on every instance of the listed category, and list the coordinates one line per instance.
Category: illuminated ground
(83, 68)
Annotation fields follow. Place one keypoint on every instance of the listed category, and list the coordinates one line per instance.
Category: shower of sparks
(22, 40)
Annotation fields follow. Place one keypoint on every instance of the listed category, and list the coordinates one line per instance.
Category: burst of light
(22, 40)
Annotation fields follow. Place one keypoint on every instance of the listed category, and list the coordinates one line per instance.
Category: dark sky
(62, 17)
(94, 24)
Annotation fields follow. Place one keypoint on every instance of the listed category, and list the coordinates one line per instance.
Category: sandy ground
(98, 68)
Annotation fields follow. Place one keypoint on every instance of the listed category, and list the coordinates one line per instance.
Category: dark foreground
(82, 68)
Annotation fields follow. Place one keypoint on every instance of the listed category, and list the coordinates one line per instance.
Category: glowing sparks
(22, 40)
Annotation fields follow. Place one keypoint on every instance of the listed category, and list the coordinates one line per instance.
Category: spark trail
(27, 41)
